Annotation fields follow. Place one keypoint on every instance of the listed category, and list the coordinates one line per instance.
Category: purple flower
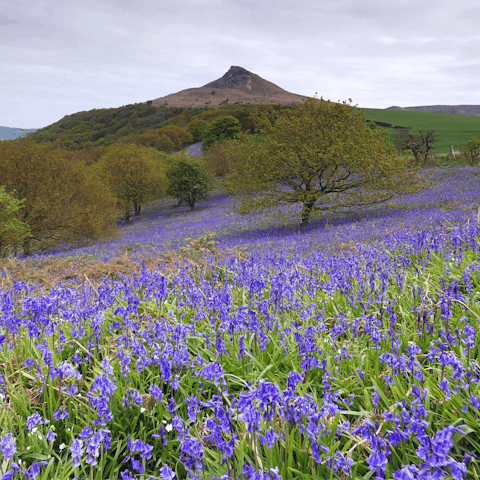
(407, 472)
(60, 414)
(51, 436)
(167, 473)
(77, 451)
(269, 438)
(34, 469)
(7, 446)
(293, 378)
(33, 421)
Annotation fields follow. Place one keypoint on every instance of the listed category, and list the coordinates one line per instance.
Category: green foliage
(472, 151)
(218, 157)
(197, 128)
(135, 175)
(189, 181)
(225, 127)
(321, 155)
(12, 230)
(64, 203)
(164, 144)
(104, 125)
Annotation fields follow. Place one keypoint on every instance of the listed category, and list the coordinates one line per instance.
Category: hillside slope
(236, 86)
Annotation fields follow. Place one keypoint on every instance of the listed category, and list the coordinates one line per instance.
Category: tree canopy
(63, 201)
(135, 174)
(189, 181)
(12, 230)
(321, 156)
(223, 128)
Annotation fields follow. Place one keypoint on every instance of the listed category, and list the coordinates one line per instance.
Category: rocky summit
(238, 85)
(233, 78)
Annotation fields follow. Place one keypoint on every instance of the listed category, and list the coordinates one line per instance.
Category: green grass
(456, 130)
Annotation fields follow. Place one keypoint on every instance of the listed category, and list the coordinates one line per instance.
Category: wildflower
(407, 472)
(34, 469)
(7, 446)
(51, 436)
(60, 414)
(167, 473)
(33, 421)
(269, 438)
(77, 451)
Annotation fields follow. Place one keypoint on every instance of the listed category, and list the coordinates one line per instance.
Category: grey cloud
(61, 56)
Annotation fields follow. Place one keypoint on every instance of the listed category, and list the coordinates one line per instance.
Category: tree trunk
(27, 247)
(137, 209)
(307, 210)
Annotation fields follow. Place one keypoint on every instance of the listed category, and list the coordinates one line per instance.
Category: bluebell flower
(76, 450)
(34, 469)
(407, 472)
(7, 446)
(269, 438)
(34, 420)
(167, 473)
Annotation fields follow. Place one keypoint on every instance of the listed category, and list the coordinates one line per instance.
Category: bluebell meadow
(347, 349)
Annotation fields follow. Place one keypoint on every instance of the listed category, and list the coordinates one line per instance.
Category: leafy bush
(223, 128)
(472, 151)
(189, 180)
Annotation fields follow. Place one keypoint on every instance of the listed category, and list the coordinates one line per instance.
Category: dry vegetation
(199, 255)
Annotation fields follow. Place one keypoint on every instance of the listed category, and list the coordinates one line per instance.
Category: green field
(456, 130)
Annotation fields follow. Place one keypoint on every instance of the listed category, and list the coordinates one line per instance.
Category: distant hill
(9, 133)
(237, 86)
(454, 109)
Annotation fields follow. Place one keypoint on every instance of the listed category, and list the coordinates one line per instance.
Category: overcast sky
(61, 57)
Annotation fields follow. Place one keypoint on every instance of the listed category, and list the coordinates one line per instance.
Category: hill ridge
(454, 109)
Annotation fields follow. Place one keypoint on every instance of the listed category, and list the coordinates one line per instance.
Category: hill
(236, 86)
(452, 129)
(454, 109)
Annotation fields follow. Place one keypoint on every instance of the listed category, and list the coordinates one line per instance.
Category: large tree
(321, 156)
(135, 174)
(64, 203)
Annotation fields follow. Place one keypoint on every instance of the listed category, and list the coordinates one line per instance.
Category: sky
(62, 57)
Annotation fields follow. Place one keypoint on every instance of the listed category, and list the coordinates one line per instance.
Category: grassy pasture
(456, 130)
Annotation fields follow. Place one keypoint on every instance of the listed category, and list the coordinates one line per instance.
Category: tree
(189, 181)
(197, 128)
(12, 230)
(421, 145)
(135, 174)
(223, 128)
(322, 156)
(472, 151)
(164, 144)
(177, 135)
(64, 203)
